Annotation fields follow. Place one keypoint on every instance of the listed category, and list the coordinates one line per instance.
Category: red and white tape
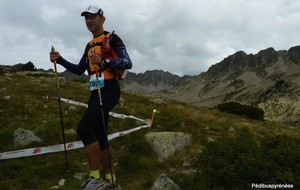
(60, 147)
(77, 144)
(116, 115)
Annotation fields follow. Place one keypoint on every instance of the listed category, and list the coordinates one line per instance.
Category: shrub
(2, 71)
(237, 162)
(29, 66)
(282, 155)
(189, 181)
(239, 109)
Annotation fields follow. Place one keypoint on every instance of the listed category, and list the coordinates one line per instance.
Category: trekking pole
(104, 125)
(60, 110)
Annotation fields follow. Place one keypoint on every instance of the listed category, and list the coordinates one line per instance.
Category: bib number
(94, 81)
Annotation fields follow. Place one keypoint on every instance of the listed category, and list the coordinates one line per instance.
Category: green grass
(136, 164)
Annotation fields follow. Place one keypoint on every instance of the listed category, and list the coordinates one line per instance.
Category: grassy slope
(136, 163)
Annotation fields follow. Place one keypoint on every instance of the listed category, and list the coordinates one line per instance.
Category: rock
(158, 101)
(209, 139)
(164, 183)
(72, 108)
(188, 163)
(231, 129)
(189, 172)
(24, 137)
(80, 175)
(70, 132)
(122, 101)
(166, 144)
(3, 89)
(61, 182)
(207, 128)
(6, 98)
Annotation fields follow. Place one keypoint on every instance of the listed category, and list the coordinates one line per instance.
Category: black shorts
(90, 128)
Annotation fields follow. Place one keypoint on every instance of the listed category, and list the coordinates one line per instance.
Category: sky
(181, 37)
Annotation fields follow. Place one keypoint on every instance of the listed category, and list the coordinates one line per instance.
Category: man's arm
(78, 69)
(124, 61)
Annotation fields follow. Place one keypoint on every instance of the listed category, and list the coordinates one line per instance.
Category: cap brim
(85, 12)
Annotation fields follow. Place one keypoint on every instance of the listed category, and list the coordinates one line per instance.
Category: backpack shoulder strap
(87, 47)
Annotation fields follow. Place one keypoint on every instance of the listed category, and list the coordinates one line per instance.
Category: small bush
(239, 109)
(2, 71)
(237, 162)
(29, 66)
(191, 181)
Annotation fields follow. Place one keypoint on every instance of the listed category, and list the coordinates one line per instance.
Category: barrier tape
(60, 147)
(77, 144)
(116, 115)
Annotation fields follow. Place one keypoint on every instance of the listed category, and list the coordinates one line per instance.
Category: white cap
(93, 9)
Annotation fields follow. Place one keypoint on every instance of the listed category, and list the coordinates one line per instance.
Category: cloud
(182, 37)
(51, 14)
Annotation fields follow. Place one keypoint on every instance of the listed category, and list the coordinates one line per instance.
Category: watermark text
(271, 186)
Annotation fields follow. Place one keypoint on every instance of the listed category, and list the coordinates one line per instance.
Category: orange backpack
(102, 46)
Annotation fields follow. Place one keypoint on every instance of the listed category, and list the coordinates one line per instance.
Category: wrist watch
(104, 62)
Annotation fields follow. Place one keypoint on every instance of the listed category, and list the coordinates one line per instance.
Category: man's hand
(96, 59)
(55, 56)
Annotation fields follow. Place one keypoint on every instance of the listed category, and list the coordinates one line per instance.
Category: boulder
(6, 98)
(70, 132)
(23, 137)
(164, 183)
(166, 144)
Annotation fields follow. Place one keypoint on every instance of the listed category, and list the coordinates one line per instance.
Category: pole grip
(53, 50)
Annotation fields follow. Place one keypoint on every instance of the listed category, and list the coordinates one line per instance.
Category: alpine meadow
(227, 151)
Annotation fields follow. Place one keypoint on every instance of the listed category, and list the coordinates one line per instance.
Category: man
(104, 56)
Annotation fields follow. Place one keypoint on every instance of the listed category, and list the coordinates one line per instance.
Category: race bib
(94, 82)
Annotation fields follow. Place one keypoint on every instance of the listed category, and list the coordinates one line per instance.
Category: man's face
(94, 22)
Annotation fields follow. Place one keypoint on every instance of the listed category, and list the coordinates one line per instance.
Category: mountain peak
(269, 79)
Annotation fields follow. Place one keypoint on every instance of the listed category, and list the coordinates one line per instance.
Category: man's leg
(94, 159)
(106, 159)
(94, 181)
(108, 166)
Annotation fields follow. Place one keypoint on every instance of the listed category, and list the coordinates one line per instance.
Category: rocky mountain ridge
(269, 79)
